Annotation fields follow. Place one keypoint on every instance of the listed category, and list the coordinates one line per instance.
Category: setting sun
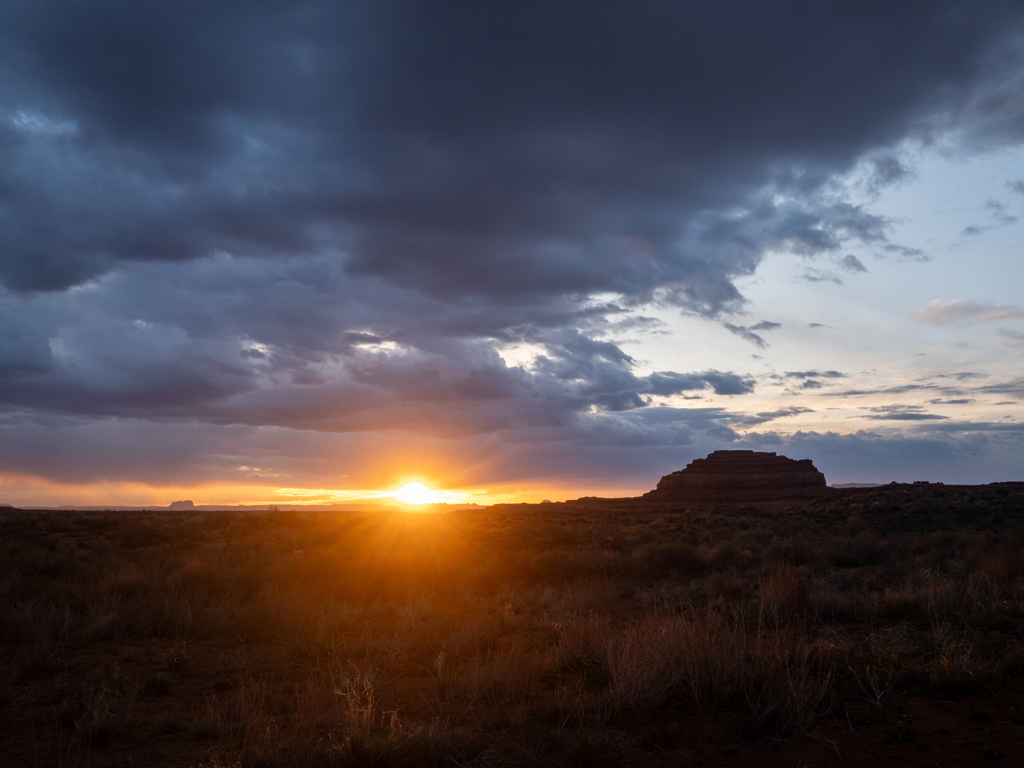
(415, 493)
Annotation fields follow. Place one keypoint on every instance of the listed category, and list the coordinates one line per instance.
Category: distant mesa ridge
(744, 476)
(182, 505)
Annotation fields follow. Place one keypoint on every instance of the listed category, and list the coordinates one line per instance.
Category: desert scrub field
(594, 633)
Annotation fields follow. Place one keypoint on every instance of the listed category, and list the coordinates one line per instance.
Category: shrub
(783, 593)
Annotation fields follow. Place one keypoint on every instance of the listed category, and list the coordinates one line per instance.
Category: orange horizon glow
(417, 494)
(28, 491)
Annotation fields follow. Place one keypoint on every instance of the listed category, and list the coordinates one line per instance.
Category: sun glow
(416, 493)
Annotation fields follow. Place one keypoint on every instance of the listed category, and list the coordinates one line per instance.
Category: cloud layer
(339, 217)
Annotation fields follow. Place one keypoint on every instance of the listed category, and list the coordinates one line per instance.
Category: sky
(276, 252)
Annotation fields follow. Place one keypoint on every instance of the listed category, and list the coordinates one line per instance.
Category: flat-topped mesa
(741, 476)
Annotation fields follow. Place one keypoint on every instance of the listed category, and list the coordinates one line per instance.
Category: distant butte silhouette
(741, 476)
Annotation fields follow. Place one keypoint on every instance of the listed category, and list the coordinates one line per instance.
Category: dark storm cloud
(338, 216)
(886, 169)
(426, 368)
(516, 149)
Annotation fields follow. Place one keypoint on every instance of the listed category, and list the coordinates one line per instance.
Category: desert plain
(877, 626)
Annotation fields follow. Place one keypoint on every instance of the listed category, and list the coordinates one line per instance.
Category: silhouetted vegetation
(554, 634)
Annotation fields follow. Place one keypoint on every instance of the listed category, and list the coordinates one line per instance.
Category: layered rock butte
(741, 476)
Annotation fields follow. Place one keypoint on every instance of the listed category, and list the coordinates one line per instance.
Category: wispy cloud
(815, 375)
(897, 389)
(764, 417)
(851, 263)
(998, 212)
(745, 333)
(967, 312)
(748, 332)
(821, 276)
(959, 375)
(1014, 388)
(1016, 337)
(812, 379)
(902, 413)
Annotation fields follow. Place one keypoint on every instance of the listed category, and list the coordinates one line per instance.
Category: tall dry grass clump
(713, 663)
(582, 645)
(788, 687)
(643, 662)
(783, 593)
(335, 720)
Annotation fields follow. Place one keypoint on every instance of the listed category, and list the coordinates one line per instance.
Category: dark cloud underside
(339, 216)
(521, 148)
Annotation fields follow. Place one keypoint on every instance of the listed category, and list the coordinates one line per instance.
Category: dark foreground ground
(881, 628)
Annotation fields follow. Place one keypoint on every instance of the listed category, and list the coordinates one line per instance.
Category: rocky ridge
(741, 476)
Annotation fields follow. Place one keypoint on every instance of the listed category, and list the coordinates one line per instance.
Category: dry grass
(550, 634)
